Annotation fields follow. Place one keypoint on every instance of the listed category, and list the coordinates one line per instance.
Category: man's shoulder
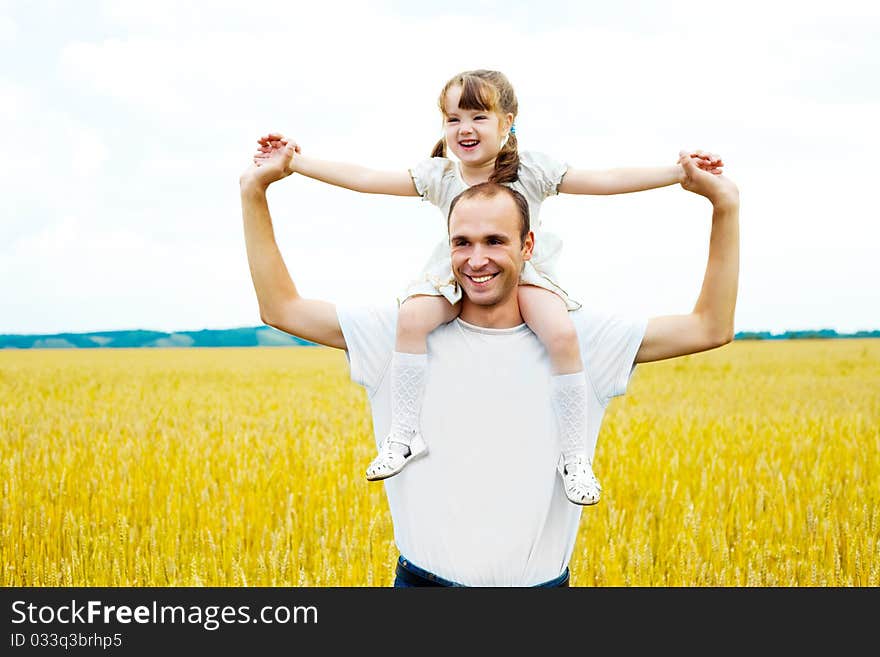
(585, 317)
(369, 333)
(368, 327)
(609, 344)
(372, 317)
(595, 326)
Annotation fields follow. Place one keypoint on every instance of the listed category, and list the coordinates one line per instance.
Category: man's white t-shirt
(485, 505)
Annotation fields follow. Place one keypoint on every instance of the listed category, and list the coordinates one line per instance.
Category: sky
(125, 125)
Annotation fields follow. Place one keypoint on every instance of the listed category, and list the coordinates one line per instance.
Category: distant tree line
(821, 334)
(265, 336)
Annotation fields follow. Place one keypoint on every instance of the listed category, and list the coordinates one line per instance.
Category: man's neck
(496, 317)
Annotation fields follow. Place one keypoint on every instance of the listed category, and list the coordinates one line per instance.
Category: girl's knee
(421, 315)
(408, 320)
(562, 339)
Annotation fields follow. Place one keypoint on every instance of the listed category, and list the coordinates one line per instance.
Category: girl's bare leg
(418, 316)
(547, 315)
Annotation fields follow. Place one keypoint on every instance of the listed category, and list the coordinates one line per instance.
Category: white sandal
(388, 462)
(581, 485)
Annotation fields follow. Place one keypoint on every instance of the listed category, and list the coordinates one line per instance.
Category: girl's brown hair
(489, 91)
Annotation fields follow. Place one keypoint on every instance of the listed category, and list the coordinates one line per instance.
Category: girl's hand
(269, 144)
(705, 161)
(708, 161)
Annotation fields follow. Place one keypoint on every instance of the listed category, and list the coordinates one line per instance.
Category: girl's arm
(341, 174)
(354, 177)
(622, 181)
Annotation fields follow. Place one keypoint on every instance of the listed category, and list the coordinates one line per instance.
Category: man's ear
(528, 246)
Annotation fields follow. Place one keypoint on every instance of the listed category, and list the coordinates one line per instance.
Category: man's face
(487, 255)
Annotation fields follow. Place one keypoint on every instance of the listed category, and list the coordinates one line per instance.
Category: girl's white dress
(438, 180)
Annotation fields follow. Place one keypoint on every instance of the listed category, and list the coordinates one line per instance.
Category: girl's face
(473, 136)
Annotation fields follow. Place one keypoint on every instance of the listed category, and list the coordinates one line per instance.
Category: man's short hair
(491, 190)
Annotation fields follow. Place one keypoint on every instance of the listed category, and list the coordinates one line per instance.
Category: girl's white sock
(569, 397)
(408, 374)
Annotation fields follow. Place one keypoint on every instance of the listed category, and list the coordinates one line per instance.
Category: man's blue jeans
(408, 575)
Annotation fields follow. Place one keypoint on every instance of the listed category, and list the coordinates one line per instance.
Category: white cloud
(55, 163)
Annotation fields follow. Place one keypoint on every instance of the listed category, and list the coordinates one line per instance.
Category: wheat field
(757, 464)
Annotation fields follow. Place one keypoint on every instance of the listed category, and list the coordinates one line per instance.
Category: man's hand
(277, 164)
(706, 182)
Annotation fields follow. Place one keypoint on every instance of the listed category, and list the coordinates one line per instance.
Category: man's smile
(481, 280)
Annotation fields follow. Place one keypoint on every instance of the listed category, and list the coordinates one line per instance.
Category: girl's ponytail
(507, 162)
(439, 149)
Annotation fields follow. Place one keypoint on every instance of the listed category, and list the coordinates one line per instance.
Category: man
(486, 506)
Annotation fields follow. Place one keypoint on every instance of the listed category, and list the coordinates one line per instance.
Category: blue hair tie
(513, 128)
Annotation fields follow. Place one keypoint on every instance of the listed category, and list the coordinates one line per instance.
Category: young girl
(479, 109)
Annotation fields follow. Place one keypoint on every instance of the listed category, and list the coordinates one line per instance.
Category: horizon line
(825, 329)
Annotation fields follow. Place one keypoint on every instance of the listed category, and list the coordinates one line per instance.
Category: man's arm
(281, 305)
(710, 324)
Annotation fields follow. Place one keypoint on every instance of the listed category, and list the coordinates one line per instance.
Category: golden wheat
(754, 465)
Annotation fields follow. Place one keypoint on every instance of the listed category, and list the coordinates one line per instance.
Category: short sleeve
(430, 178)
(540, 174)
(369, 334)
(609, 345)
